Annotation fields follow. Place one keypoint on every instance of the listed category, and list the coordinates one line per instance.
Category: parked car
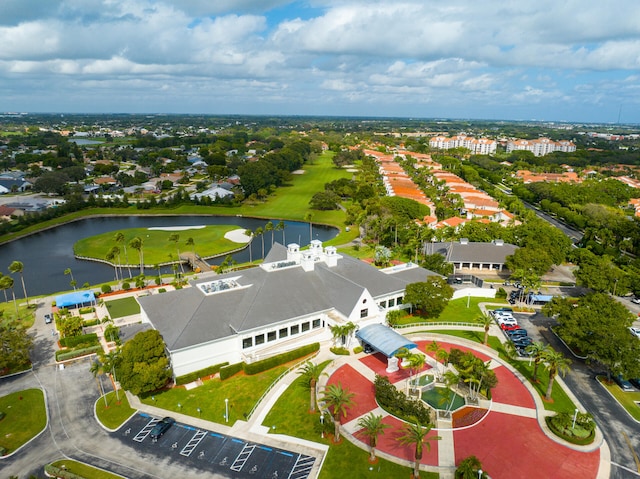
(623, 383)
(522, 342)
(635, 382)
(47, 319)
(161, 427)
(504, 310)
(635, 300)
(509, 327)
(509, 321)
(635, 331)
(516, 333)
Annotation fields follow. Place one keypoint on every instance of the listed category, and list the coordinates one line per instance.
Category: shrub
(91, 322)
(2, 415)
(560, 431)
(64, 355)
(106, 288)
(188, 378)
(162, 290)
(357, 349)
(227, 371)
(84, 340)
(126, 286)
(274, 361)
(340, 351)
(501, 293)
(53, 471)
(396, 403)
(87, 310)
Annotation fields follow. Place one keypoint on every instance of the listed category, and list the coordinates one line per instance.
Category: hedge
(340, 351)
(63, 355)
(85, 339)
(397, 404)
(274, 361)
(581, 441)
(228, 371)
(54, 471)
(357, 350)
(188, 378)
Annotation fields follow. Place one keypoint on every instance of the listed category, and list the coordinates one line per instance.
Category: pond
(47, 254)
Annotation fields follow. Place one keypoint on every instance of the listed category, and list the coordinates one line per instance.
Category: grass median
(25, 417)
(111, 412)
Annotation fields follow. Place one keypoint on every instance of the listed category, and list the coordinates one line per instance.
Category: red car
(509, 327)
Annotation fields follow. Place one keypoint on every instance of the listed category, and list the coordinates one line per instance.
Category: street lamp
(180, 407)
(322, 425)
(226, 410)
(575, 416)
(480, 472)
(199, 412)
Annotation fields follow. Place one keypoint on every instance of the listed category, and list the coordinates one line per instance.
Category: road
(574, 234)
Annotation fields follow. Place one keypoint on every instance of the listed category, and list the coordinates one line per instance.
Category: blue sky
(574, 60)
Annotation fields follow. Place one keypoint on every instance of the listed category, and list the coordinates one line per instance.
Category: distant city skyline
(574, 61)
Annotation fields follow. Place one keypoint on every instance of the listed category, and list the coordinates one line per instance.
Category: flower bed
(468, 416)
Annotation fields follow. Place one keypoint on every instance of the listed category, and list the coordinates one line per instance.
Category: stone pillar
(392, 364)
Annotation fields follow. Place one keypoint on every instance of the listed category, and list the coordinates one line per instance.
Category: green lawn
(456, 311)
(157, 248)
(242, 391)
(115, 413)
(84, 470)
(628, 400)
(119, 308)
(25, 418)
(290, 415)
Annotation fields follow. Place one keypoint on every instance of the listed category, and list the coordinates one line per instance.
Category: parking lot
(215, 453)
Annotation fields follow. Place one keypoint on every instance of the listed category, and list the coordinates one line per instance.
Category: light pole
(322, 425)
(480, 473)
(226, 410)
(180, 407)
(199, 412)
(575, 416)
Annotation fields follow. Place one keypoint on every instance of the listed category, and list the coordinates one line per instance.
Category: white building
(478, 146)
(541, 146)
(290, 300)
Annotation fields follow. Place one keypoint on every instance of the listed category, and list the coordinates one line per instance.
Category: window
(392, 302)
(259, 339)
(271, 336)
(306, 326)
(383, 304)
(316, 323)
(399, 300)
(364, 313)
(283, 333)
(247, 343)
(295, 329)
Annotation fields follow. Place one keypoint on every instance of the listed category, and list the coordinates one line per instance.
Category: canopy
(74, 299)
(384, 339)
(540, 298)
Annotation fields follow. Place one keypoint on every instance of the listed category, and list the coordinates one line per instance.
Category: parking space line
(242, 458)
(302, 468)
(144, 432)
(193, 443)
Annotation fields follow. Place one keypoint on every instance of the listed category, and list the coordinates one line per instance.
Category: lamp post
(480, 473)
(226, 410)
(322, 425)
(575, 416)
(180, 407)
(199, 412)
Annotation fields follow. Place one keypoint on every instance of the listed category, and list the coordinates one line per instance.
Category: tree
(144, 366)
(15, 345)
(6, 282)
(269, 227)
(280, 227)
(73, 281)
(557, 363)
(308, 217)
(192, 243)
(324, 201)
(416, 434)
(18, 267)
(175, 238)
(259, 232)
(372, 426)
(338, 400)
(429, 297)
(536, 350)
(486, 322)
(119, 238)
(310, 374)
(110, 361)
(137, 244)
(249, 233)
(111, 257)
(469, 468)
(97, 369)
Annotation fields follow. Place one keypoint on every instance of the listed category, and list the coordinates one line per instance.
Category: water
(46, 255)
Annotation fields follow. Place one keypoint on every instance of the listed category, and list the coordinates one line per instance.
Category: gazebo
(385, 340)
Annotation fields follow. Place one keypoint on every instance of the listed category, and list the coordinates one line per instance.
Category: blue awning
(540, 298)
(77, 298)
(384, 339)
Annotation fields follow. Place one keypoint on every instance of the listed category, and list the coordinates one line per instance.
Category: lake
(47, 254)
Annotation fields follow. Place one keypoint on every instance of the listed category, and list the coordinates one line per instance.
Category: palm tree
(110, 361)
(280, 227)
(485, 321)
(18, 267)
(191, 242)
(308, 217)
(469, 468)
(259, 232)
(6, 282)
(442, 356)
(451, 380)
(111, 256)
(249, 233)
(97, 369)
(557, 363)
(537, 350)
(119, 238)
(372, 426)
(269, 227)
(137, 244)
(310, 374)
(3, 287)
(175, 238)
(417, 434)
(338, 400)
(73, 281)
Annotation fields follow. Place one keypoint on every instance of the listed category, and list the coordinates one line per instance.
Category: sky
(569, 60)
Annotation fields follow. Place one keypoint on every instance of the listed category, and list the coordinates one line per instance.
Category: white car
(635, 300)
(635, 331)
(506, 320)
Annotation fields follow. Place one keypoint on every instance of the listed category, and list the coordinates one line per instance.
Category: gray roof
(473, 252)
(188, 317)
(384, 339)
